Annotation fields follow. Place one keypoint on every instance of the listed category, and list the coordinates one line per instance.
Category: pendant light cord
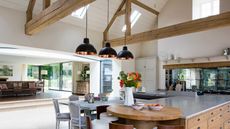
(108, 17)
(86, 26)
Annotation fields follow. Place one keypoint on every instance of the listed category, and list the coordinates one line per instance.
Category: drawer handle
(212, 113)
(198, 127)
(220, 109)
(198, 119)
(212, 120)
(220, 115)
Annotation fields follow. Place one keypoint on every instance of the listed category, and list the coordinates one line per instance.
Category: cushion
(4, 86)
(32, 85)
(20, 85)
(15, 85)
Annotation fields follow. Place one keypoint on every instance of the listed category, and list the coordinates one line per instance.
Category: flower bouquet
(129, 81)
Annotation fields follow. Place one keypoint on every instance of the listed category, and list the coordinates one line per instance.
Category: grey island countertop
(192, 105)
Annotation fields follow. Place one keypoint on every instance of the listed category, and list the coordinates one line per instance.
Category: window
(134, 17)
(205, 8)
(80, 13)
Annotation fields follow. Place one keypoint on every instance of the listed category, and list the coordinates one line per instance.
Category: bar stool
(170, 127)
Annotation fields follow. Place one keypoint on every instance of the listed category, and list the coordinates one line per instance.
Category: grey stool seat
(60, 116)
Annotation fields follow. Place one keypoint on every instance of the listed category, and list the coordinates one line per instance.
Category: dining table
(144, 119)
(85, 105)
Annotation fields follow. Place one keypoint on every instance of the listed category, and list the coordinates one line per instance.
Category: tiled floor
(32, 118)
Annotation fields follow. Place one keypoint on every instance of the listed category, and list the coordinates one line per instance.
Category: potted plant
(129, 81)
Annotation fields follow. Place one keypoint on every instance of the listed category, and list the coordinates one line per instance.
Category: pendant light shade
(125, 54)
(107, 51)
(86, 48)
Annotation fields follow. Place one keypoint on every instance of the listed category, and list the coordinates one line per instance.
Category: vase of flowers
(129, 81)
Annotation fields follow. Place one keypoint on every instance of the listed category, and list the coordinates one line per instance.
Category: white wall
(58, 36)
(18, 72)
(95, 78)
(200, 44)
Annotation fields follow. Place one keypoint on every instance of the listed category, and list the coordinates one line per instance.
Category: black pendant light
(107, 51)
(86, 48)
(125, 54)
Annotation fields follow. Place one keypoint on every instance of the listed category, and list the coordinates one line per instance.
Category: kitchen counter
(191, 106)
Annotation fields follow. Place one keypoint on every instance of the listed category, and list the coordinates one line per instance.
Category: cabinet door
(150, 63)
(140, 64)
(227, 124)
(200, 126)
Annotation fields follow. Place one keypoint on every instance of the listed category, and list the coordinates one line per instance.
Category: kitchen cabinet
(147, 68)
(217, 118)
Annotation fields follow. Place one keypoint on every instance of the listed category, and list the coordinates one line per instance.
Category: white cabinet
(147, 68)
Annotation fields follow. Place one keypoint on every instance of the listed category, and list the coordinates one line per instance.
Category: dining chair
(170, 127)
(60, 116)
(73, 98)
(75, 113)
(102, 114)
(120, 126)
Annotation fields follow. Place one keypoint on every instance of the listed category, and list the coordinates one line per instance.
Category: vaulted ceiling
(98, 15)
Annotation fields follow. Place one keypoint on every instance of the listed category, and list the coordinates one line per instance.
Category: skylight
(205, 8)
(80, 13)
(134, 17)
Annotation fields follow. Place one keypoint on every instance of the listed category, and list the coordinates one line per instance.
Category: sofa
(17, 88)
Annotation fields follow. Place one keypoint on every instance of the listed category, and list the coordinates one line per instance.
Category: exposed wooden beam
(127, 17)
(198, 25)
(54, 13)
(122, 12)
(29, 11)
(117, 13)
(145, 7)
(198, 65)
(46, 4)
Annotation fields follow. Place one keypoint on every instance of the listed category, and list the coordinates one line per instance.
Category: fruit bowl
(156, 107)
(138, 106)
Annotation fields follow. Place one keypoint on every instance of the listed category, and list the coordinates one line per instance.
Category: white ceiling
(28, 60)
(27, 55)
(98, 14)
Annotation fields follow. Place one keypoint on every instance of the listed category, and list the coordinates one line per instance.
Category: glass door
(54, 81)
(66, 79)
(106, 76)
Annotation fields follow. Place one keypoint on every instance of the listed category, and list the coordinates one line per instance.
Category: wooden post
(127, 17)
(29, 11)
(46, 4)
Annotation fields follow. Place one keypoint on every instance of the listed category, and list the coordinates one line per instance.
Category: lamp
(86, 48)
(107, 51)
(125, 54)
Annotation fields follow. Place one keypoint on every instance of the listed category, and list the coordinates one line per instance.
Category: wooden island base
(142, 124)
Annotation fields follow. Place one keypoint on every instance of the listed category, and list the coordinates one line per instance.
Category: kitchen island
(199, 112)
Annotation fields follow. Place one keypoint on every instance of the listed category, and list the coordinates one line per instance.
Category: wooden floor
(46, 95)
